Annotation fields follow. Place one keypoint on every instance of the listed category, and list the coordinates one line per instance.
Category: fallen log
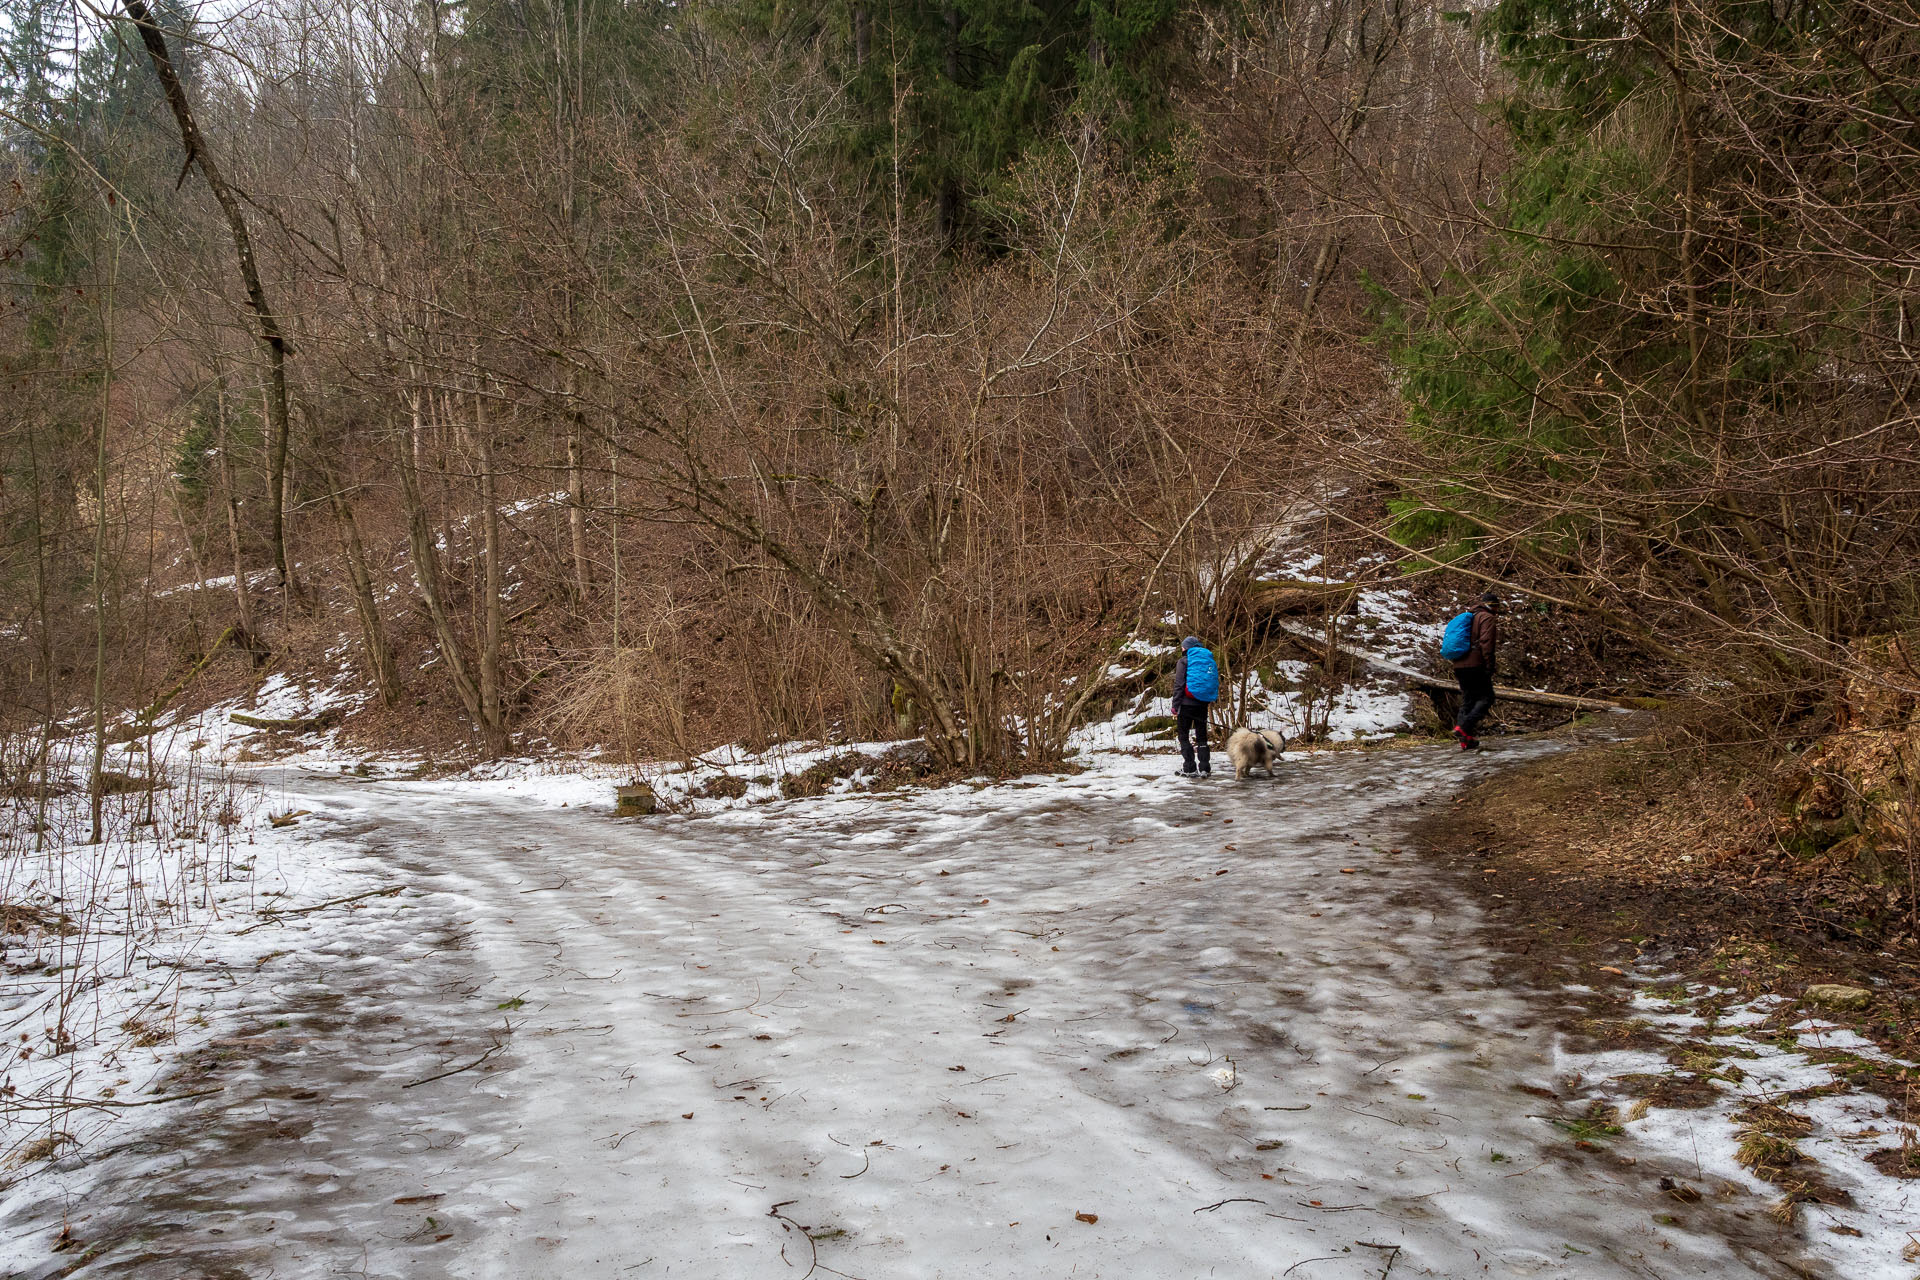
(1538, 697)
(1442, 689)
(308, 725)
(113, 783)
(1270, 596)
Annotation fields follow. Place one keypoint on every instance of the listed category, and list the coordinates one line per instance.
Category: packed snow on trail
(1111, 1024)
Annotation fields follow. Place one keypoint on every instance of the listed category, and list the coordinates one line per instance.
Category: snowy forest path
(1110, 1025)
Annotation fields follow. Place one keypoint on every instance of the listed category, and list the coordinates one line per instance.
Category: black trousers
(1476, 696)
(1192, 723)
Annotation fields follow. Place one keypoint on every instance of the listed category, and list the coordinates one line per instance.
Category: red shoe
(1468, 742)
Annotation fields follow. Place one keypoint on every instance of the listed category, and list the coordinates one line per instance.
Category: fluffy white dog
(1251, 749)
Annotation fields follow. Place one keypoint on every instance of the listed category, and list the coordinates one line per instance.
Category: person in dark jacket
(1475, 671)
(1190, 718)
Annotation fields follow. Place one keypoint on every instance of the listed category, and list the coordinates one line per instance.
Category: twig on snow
(498, 1045)
(788, 1224)
(1209, 1208)
(273, 914)
(106, 1104)
(1391, 1250)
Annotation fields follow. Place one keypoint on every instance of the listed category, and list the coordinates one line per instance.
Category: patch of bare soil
(1897, 1162)
(19, 918)
(1592, 861)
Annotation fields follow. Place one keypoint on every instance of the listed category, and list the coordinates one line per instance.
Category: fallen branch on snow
(1209, 1208)
(274, 915)
(498, 1045)
(104, 1104)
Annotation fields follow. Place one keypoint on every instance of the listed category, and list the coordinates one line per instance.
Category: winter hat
(1188, 643)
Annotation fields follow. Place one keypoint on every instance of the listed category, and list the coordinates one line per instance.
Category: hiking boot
(1469, 742)
(1186, 773)
(1460, 735)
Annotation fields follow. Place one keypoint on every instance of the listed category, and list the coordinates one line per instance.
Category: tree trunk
(946, 209)
(426, 573)
(96, 791)
(372, 632)
(267, 326)
(577, 509)
(277, 487)
(43, 548)
(946, 213)
(242, 594)
(492, 710)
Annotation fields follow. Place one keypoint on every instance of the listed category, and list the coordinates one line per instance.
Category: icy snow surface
(1109, 1025)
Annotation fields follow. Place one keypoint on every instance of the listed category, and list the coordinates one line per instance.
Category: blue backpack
(1203, 675)
(1457, 641)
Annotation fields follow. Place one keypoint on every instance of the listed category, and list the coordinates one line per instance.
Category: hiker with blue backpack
(1469, 643)
(1196, 687)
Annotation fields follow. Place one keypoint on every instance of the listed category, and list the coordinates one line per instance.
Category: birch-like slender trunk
(96, 783)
